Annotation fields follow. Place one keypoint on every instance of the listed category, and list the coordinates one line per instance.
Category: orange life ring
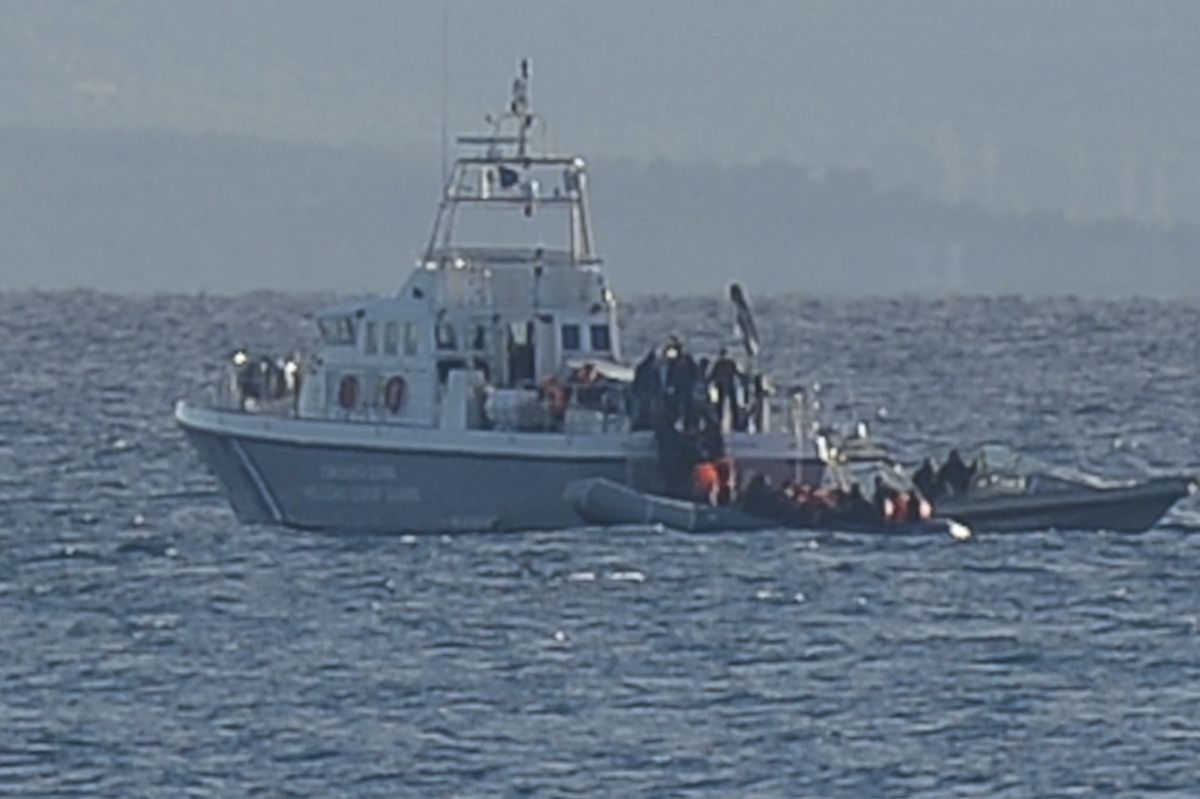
(348, 392)
(393, 394)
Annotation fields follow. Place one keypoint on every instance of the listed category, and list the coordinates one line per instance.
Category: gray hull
(360, 489)
(601, 501)
(1132, 508)
(338, 476)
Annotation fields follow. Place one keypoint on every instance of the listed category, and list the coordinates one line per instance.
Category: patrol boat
(473, 396)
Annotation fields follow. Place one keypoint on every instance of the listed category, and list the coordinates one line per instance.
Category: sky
(1084, 108)
(962, 99)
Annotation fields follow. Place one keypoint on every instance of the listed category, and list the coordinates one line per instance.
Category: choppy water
(152, 646)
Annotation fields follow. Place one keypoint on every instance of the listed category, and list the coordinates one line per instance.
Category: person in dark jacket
(646, 392)
(724, 376)
(924, 478)
(678, 455)
(857, 509)
(954, 478)
(759, 498)
(681, 387)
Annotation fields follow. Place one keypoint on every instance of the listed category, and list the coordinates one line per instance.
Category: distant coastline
(159, 211)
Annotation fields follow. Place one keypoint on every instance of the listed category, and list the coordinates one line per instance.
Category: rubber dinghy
(1011, 492)
(604, 502)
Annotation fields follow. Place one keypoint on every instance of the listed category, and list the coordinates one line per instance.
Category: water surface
(153, 646)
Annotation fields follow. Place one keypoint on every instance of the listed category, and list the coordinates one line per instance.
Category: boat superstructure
(471, 397)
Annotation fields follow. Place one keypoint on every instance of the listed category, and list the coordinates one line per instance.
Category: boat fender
(394, 394)
(348, 392)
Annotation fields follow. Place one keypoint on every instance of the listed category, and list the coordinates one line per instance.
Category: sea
(153, 646)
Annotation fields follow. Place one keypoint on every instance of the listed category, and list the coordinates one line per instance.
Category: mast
(519, 107)
(506, 171)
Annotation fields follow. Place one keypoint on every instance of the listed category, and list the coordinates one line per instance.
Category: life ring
(394, 393)
(348, 392)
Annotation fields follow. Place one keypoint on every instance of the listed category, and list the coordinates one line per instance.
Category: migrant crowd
(689, 403)
(673, 388)
(798, 505)
(804, 506)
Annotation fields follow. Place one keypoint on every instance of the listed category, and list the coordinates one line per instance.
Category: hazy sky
(1085, 105)
(1007, 145)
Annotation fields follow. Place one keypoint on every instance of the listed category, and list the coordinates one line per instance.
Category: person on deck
(681, 386)
(646, 393)
(760, 391)
(725, 376)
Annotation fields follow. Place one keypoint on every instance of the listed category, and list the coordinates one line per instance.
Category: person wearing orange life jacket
(706, 482)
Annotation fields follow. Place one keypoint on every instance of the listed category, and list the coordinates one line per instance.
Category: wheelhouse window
(371, 339)
(391, 338)
(337, 330)
(447, 338)
(570, 338)
(412, 338)
(601, 338)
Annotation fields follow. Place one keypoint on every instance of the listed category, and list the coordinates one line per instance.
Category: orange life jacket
(706, 480)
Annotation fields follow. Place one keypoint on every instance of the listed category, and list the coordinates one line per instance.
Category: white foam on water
(627, 577)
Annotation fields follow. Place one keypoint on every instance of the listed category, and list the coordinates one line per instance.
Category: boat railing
(225, 396)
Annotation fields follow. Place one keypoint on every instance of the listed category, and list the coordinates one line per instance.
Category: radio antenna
(445, 82)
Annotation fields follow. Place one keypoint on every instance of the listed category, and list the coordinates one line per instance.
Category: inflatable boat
(604, 502)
